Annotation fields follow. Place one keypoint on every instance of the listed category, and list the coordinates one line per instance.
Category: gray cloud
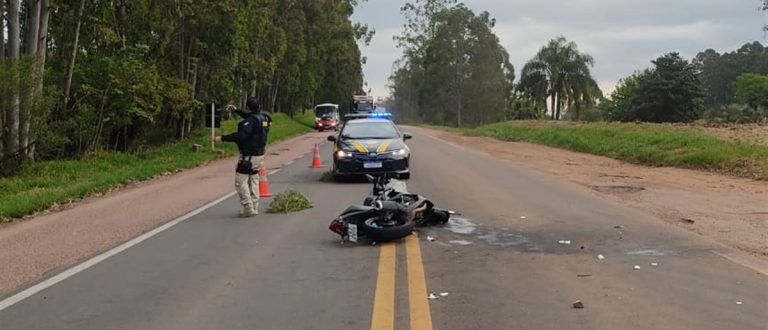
(623, 36)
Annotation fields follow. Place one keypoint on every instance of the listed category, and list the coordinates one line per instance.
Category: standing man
(251, 139)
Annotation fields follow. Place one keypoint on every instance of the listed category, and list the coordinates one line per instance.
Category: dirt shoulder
(34, 247)
(729, 210)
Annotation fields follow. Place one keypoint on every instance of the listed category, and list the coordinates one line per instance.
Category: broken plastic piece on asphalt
(688, 221)
(600, 257)
(432, 296)
(637, 267)
(522, 217)
(564, 242)
(654, 264)
(618, 226)
(578, 304)
(444, 294)
(583, 275)
(739, 303)
(431, 239)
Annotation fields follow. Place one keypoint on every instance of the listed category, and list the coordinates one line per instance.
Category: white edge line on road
(274, 171)
(10, 301)
(289, 163)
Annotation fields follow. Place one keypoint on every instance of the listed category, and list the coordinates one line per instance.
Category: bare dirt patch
(729, 210)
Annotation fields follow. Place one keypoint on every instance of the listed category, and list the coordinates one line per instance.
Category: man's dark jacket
(251, 135)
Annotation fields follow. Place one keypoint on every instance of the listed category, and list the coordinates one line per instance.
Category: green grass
(648, 144)
(306, 119)
(41, 185)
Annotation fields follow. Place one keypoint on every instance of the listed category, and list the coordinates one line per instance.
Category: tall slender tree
(564, 67)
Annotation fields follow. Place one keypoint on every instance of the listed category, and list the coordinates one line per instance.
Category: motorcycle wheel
(383, 234)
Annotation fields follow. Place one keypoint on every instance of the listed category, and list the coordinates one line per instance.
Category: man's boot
(247, 211)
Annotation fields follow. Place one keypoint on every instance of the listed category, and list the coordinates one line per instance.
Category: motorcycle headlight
(401, 152)
(343, 154)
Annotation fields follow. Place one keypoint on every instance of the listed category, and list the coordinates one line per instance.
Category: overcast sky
(622, 35)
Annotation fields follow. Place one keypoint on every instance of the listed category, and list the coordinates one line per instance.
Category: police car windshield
(370, 130)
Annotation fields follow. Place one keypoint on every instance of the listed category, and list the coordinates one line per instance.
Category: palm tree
(566, 70)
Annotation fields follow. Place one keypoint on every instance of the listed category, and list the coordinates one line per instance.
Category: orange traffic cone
(264, 183)
(316, 161)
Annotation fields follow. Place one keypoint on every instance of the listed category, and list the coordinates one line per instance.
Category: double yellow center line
(384, 299)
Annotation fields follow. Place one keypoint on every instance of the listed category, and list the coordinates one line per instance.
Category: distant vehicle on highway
(327, 117)
(369, 146)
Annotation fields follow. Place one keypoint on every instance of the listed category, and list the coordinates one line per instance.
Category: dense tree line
(715, 87)
(84, 75)
(454, 71)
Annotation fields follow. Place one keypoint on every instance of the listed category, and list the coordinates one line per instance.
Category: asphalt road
(499, 270)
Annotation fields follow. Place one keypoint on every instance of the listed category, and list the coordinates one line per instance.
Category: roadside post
(213, 121)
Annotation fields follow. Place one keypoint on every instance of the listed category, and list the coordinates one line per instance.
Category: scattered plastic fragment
(578, 304)
(583, 275)
(739, 303)
(637, 267)
(618, 227)
(444, 294)
(522, 217)
(564, 242)
(654, 264)
(600, 257)
(432, 296)
(688, 221)
(431, 239)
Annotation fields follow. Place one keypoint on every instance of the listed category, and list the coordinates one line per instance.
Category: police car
(370, 144)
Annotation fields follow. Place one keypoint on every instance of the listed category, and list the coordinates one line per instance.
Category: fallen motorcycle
(389, 213)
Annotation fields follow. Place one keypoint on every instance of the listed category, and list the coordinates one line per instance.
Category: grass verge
(306, 119)
(289, 201)
(39, 186)
(647, 144)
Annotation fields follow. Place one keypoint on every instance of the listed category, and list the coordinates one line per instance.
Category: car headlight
(401, 152)
(343, 154)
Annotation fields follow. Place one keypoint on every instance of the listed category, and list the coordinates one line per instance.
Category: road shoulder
(37, 247)
(728, 210)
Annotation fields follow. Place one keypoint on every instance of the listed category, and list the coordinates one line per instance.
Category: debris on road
(431, 238)
(444, 294)
(637, 267)
(578, 304)
(600, 257)
(654, 264)
(460, 242)
(583, 275)
(522, 217)
(432, 296)
(618, 227)
(564, 242)
(739, 303)
(687, 221)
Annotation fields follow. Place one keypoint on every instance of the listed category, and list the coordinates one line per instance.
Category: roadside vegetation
(80, 77)
(455, 74)
(40, 185)
(647, 144)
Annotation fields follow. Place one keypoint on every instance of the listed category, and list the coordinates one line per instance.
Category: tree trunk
(29, 94)
(559, 104)
(2, 28)
(71, 69)
(12, 137)
(33, 29)
(553, 96)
